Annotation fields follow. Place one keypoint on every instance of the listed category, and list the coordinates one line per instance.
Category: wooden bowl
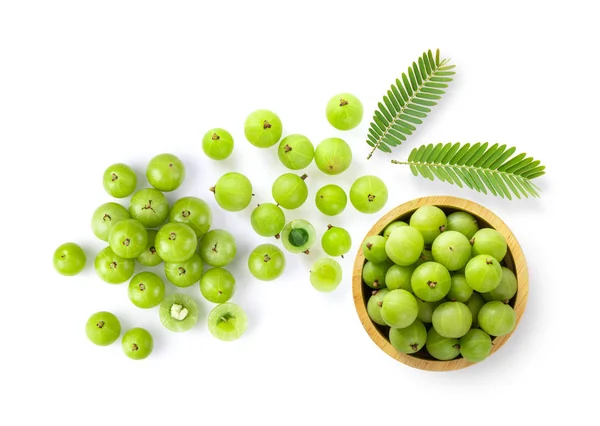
(514, 260)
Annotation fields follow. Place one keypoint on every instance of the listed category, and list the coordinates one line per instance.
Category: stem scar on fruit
(172, 236)
(266, 125)
(148, 206)
(488, 261)
(134, 347)
(152, 250)
(106, 217)
(343, 102)
(432, 284)
(215, 248)
(114, 177)
(100, 324)
(287, 148)
(126, 242)
(266, 258)
(142, 286)
(112, 265)
(371, 198)
(414, 346)
(185, 213)
(215, 137)
(182, 271)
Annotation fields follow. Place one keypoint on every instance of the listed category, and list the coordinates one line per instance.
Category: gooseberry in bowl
(464, 269)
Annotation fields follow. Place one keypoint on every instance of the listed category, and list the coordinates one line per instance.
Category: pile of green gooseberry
(439, 285)
(150, 232)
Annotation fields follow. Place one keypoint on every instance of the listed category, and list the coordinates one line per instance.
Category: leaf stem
(456, 166)
(405, 106)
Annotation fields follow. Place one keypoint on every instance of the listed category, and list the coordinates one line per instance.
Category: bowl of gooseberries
(440, 283)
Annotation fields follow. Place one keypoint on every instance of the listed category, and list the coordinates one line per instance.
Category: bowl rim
(480, 212)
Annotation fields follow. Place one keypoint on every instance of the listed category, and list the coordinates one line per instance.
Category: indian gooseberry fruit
(263, 128)
(111, 268)
(103, 328)
(393, 225)
(507, 288)
(137, 343)
(374, 305)
(373, 248)
(150, 207)
(475, 303)
(374, 274)
(217, 248)
(426, 310)
(268, 220)
(176, 242)
(452, 319)
(165, 172)
(399, 277)
(409, 339)
(227, 322)
(186, 273)
(462, 222)
(483, 273)
(491, 242)
(399, 308)
(344, 111)
(296, 152)
(217, 285)
(217, 144)
(149, 256)
(476, 345)
(404, 245)
(430, 220)
(440, 347)
(105, 217)
(331, 200)
(460, 291)
(128, 238)
(178, 312)
(119, 180)
(298, 236)
(266, 262)
(290, 191)
(333, 156)
(146, 290)
(233, 192)
(430, 281)
(368, 194)
(451, 249)
(336, 241)
(69, 259)
(325, 275)
(497, 318)
(194, 212)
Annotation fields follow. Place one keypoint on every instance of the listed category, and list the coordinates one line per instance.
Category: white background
(85, 84)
